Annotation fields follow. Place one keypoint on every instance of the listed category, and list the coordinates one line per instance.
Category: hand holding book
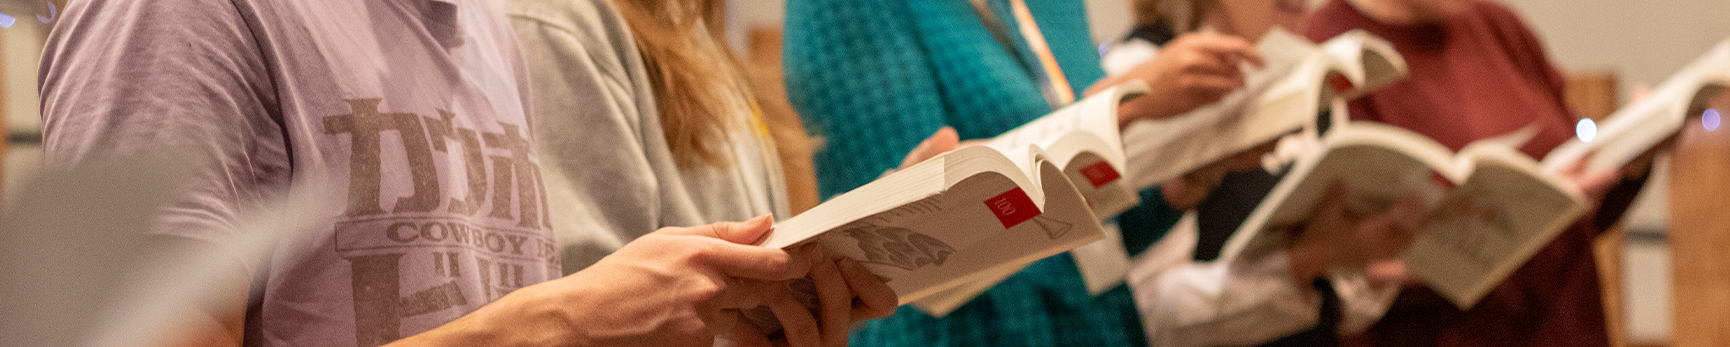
(1337, 237)
(1194, 70)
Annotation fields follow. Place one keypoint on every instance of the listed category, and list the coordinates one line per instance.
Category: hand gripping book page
(1280, 98)
(1637, 128)
(1490, 206)
(968, 214)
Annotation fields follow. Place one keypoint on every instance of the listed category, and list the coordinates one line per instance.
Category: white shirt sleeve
(1245, 300)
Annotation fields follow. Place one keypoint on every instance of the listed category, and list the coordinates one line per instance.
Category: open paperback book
(1504, 206)
(1282, 97)
(1637, 128)
(1278, 99)
(964, 215)
(1492, 206)
(1083, 140)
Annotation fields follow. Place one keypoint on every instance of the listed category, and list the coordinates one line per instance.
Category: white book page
(1636, 128)
(1374, 60)
(1094, 116)
(1490, 225)
(913, 246)
(1378, 163)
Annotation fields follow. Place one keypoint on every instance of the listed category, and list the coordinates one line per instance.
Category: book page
(1083, 140)
(979, 224)
(1101, 185)
(918, 182)
(1635, 129)
(1377, 165)
(1095, 116)
(1487, 228)
(1372, 61)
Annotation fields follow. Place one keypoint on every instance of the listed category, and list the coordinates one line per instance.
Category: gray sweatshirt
(609, 175)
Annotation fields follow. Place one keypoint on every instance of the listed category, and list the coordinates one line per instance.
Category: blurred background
(1666, 283)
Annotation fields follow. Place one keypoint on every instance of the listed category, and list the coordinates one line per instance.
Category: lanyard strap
(1036, 42)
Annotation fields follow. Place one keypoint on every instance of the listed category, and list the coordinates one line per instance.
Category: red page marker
(1012, 207)
(1099, 174)
(1339, 83)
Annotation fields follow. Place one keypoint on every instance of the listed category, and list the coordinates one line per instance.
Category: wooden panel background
(1700, 235)
(1593, 94)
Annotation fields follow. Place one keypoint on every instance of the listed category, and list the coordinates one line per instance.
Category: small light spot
(1104, 47)
(51, 14)
(7, 21)
(1710, 119)
(1587, 129)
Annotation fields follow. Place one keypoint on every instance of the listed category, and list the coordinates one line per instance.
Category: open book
(1083, 139)
(1501, 209)
(1637, 128)
(967, 214)
(1298, 81)
(1282, 97)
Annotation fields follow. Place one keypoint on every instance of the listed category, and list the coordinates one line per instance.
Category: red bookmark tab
(1012, 207)
(1339, 83)
(1099, 174)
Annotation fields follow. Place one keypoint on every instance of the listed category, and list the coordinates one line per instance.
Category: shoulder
(83, 21)
(593, 23)
(576, 37)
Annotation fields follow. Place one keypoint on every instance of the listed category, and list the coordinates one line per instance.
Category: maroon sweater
(1477, 75)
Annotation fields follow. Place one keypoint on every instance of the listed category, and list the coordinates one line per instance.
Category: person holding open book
(1327, 311)
(415, 112)
(875, 77)
(1477, 71)
(646, 121)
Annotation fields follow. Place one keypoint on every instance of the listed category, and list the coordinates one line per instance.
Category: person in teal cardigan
(875, 78)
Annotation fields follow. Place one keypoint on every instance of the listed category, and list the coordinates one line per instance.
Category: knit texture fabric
(875, 78)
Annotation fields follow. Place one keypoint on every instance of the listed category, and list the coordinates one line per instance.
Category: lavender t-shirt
(416, 107)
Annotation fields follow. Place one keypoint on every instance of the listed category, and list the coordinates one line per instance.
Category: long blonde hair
(685, 71)
(696, 79)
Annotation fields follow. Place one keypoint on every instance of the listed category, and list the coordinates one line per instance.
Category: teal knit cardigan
(876, 77)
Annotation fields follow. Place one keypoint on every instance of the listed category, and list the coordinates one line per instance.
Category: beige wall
(1642, 41)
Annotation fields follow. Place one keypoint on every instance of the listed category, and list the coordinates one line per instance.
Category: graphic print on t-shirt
(421, 249)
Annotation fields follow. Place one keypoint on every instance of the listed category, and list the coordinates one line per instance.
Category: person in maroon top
(1477, 71)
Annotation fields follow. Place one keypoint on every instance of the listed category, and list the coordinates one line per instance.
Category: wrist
(552, 312)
